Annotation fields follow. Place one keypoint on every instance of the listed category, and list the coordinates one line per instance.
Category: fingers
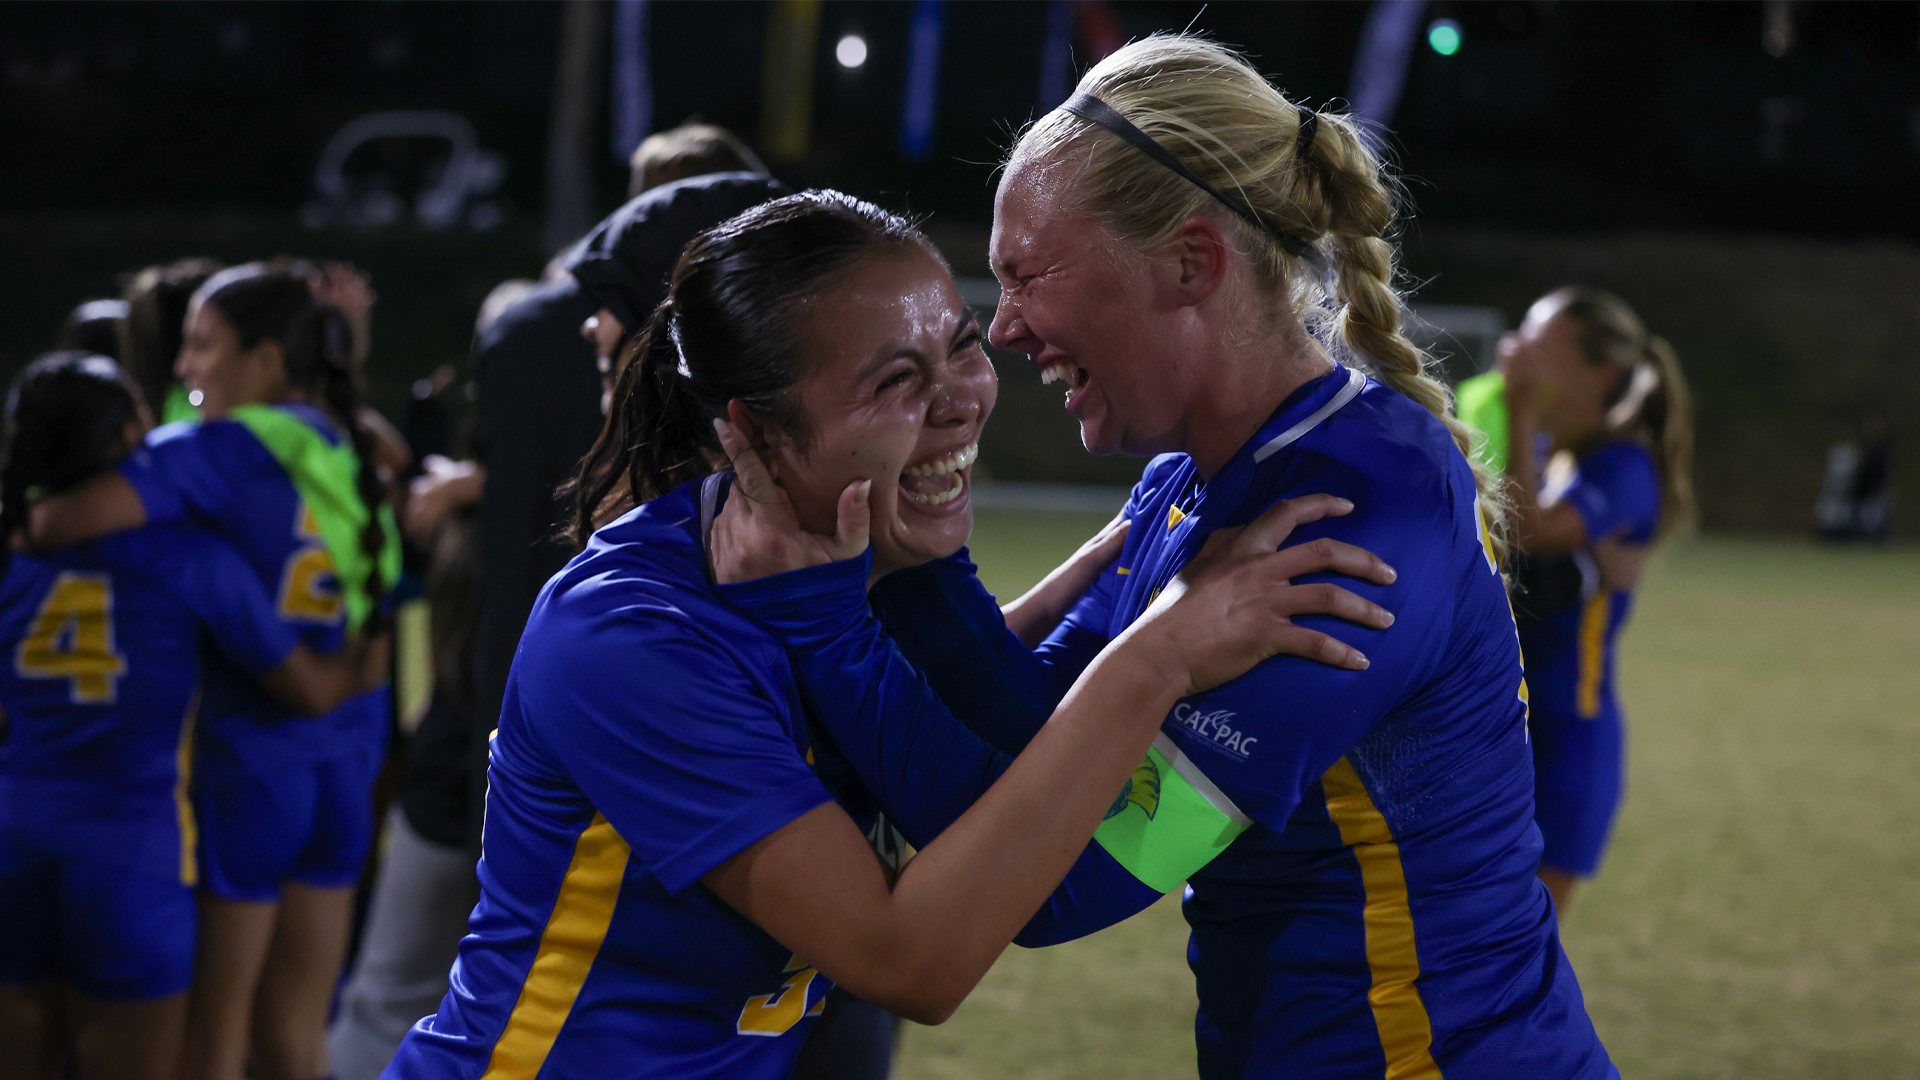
(854, 521)
(750, 476)
(1327, 555)
(1314, 645)
(1292, 601)
(1266, 532)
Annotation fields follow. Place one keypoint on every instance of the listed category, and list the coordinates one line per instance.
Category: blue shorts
(104, 904)
(310, 822)
(1579, 769)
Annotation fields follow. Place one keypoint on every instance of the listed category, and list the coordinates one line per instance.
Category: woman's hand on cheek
(758, 534)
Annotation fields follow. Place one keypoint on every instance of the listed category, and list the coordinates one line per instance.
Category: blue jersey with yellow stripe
(1579, 734)
(1382, 916)
(648, 734)
(219, 476)
(1616, 491)
(103, 647)
(1363, 897)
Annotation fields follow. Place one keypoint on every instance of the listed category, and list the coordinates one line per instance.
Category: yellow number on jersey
(309, 590)
(71, 637)
(776, 1013)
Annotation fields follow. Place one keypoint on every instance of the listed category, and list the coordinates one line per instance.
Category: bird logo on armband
(1142, 790)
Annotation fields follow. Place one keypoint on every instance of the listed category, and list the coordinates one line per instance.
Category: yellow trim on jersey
(1406, 1033)
(1593, 652)
(581, 915)
(182, 805)
(1122, 571)
(1175, 516)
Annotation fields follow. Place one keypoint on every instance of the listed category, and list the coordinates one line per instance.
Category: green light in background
(1444, 36)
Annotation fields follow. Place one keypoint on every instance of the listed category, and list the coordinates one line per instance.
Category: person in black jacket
(539, 389)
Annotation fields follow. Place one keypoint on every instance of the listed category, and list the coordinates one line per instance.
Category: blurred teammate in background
(692, 149)
(283, 469)
(97, 839)
(1583, 371)
(157, 299)
(94, 327)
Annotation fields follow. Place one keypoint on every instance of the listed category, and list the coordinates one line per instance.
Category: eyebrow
(971, 322)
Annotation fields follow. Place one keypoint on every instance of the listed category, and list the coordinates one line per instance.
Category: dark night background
(1759, 209)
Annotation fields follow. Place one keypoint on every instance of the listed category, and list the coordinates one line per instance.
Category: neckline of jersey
(1303, 410)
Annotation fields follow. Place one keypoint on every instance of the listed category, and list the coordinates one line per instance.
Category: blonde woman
(1207, 267)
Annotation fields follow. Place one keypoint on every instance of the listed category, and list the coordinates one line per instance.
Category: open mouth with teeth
(1075, 377)
(939, 481)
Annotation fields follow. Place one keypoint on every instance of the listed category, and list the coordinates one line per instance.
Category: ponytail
(320, 348)
(657, 435)
(1651, 403)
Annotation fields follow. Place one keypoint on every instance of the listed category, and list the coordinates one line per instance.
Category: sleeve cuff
(755, 821)
(156, 498)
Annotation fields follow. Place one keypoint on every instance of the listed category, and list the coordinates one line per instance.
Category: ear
(271, 359)
(759, 436)
(1196, 266)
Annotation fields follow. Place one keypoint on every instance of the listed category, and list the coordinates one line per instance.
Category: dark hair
(151, 336)
(692, 149)
(724, 333)
(93, 327)
(65, 417)
(266, 302)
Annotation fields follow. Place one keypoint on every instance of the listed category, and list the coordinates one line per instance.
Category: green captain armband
(1169, 821)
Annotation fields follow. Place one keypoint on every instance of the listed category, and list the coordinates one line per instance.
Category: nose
(1008, 330)
(959, 399)
(591, 329)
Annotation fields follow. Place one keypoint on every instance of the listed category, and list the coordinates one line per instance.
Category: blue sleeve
(1617, 490)
(691, 769)
(226, 595)
(925, 767)
(190, 467)
(949, 628)
(1266, 738)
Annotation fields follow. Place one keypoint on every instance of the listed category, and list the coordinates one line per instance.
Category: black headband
(1093, 110)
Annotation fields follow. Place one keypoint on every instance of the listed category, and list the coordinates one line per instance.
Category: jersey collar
(1305, 409)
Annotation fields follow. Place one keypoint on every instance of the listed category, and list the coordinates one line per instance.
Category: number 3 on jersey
(71, 637)
(309, 589)
(776, 1013)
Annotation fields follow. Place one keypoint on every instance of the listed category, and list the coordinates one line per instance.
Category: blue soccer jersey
(1579, 732)
(1366, 903)
(648, 735)
(220, 476)
(96, 834)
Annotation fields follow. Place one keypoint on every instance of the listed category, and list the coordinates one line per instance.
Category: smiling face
(221, 373)
(896, 388)
(1088, 315)
(1573, 393)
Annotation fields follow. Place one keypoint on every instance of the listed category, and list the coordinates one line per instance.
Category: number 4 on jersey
(71, 637)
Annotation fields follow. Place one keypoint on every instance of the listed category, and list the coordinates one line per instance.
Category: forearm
(956, 906)
(103, 505)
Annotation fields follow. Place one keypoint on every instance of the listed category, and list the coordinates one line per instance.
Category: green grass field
(1759, 912)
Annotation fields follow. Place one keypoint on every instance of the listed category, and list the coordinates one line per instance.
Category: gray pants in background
(418, 914)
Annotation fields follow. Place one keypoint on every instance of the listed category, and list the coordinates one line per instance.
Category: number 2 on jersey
(71, 637)
(309, 589)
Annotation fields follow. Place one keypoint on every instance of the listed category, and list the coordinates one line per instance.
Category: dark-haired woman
(281, 468)
(666, 882)
(1584, 371)
(154, 328)
(97, 861)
